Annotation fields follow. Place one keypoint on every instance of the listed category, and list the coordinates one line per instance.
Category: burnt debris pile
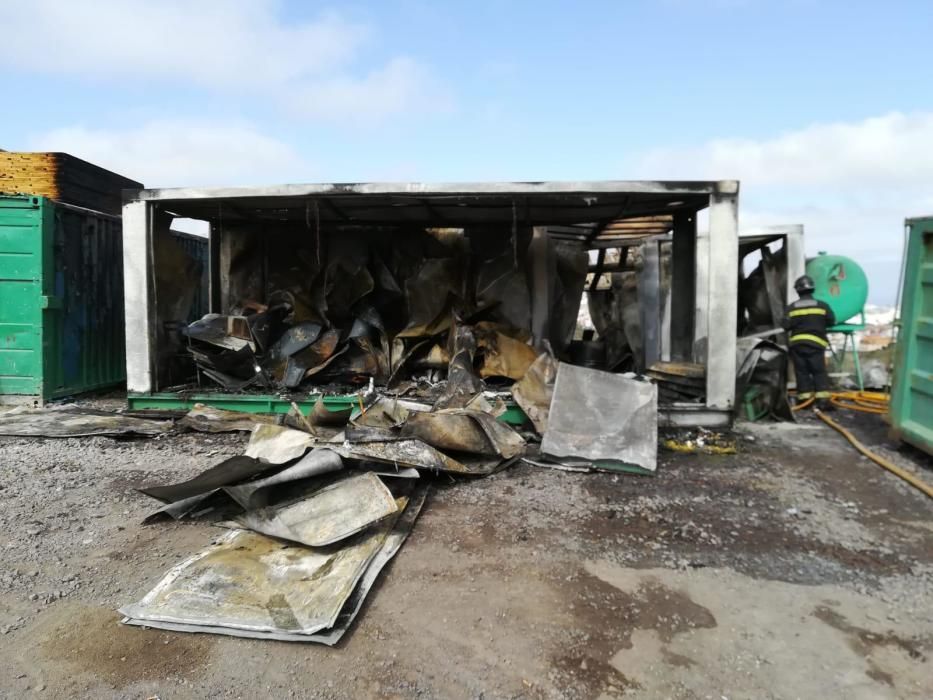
(413, 312)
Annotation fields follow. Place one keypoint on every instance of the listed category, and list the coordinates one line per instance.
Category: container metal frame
(704, 283)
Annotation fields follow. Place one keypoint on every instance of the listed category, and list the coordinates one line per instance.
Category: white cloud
(242, 47)
(226, 42)
(174, 153)
(851, 184)
(872, 236)
(893, 148)
(390, 90)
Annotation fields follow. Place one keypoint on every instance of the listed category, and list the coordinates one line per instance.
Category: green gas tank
(841, 283)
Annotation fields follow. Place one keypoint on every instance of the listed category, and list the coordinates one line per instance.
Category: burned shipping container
(433, 292)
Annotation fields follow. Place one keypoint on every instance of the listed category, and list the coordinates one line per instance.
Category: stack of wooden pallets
(64, 178)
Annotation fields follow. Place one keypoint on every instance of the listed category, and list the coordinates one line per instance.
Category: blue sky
(822, 109)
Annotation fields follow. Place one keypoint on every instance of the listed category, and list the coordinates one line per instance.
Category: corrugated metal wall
(21, 277)
(197, 248)
(61, 298)
(911, 410)
(88, 281)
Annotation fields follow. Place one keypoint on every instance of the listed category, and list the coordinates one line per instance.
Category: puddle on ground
(609, 616)
(863, 642)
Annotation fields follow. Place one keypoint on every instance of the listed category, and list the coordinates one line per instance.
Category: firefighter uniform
(806, 322)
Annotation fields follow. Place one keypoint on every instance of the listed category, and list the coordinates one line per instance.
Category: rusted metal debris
(463, 383)
(464, 431)
(504, 352)
(425, 307)
(458, 441)
(225, 355)
(316, 512)
(535, 390)
(321, 415)
(311, 360)
(382, 412)
(342, 526)
(295, 339)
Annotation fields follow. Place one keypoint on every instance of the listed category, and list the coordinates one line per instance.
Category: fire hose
(866, 402)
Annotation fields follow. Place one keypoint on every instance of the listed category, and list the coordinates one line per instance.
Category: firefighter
(806, 322)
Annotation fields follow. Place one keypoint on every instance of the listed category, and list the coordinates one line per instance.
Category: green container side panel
(260, 403)
(911, 412)
(61, 299)
(20, 291)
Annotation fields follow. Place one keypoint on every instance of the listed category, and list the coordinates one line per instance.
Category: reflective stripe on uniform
(807, 312)
(800, 337)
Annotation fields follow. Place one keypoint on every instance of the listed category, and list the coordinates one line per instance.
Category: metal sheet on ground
(74, 422)
(506, 442)
(317, 462)
(393, 543)
(331, 636)
(418, 454)
(464, 431)
(383, 412)
(330, 515)
(603, 418)
(207, 419)
(229, 471)
(448, 431)
(275, 444)
(217, 489)
(180, 509)
(257, 584)
(396, 473)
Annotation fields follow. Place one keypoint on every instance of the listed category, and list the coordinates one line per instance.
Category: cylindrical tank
(840, 282)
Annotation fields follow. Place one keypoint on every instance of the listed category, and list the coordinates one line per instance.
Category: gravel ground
(794, 569)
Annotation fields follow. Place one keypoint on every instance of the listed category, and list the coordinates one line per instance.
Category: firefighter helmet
(804, 285)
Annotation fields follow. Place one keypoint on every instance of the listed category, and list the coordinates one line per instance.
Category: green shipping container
(61, 299)
(911, 412)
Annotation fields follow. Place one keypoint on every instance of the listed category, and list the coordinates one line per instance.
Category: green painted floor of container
(270, 403)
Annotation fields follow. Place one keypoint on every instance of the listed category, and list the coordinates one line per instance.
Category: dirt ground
(795, 569)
